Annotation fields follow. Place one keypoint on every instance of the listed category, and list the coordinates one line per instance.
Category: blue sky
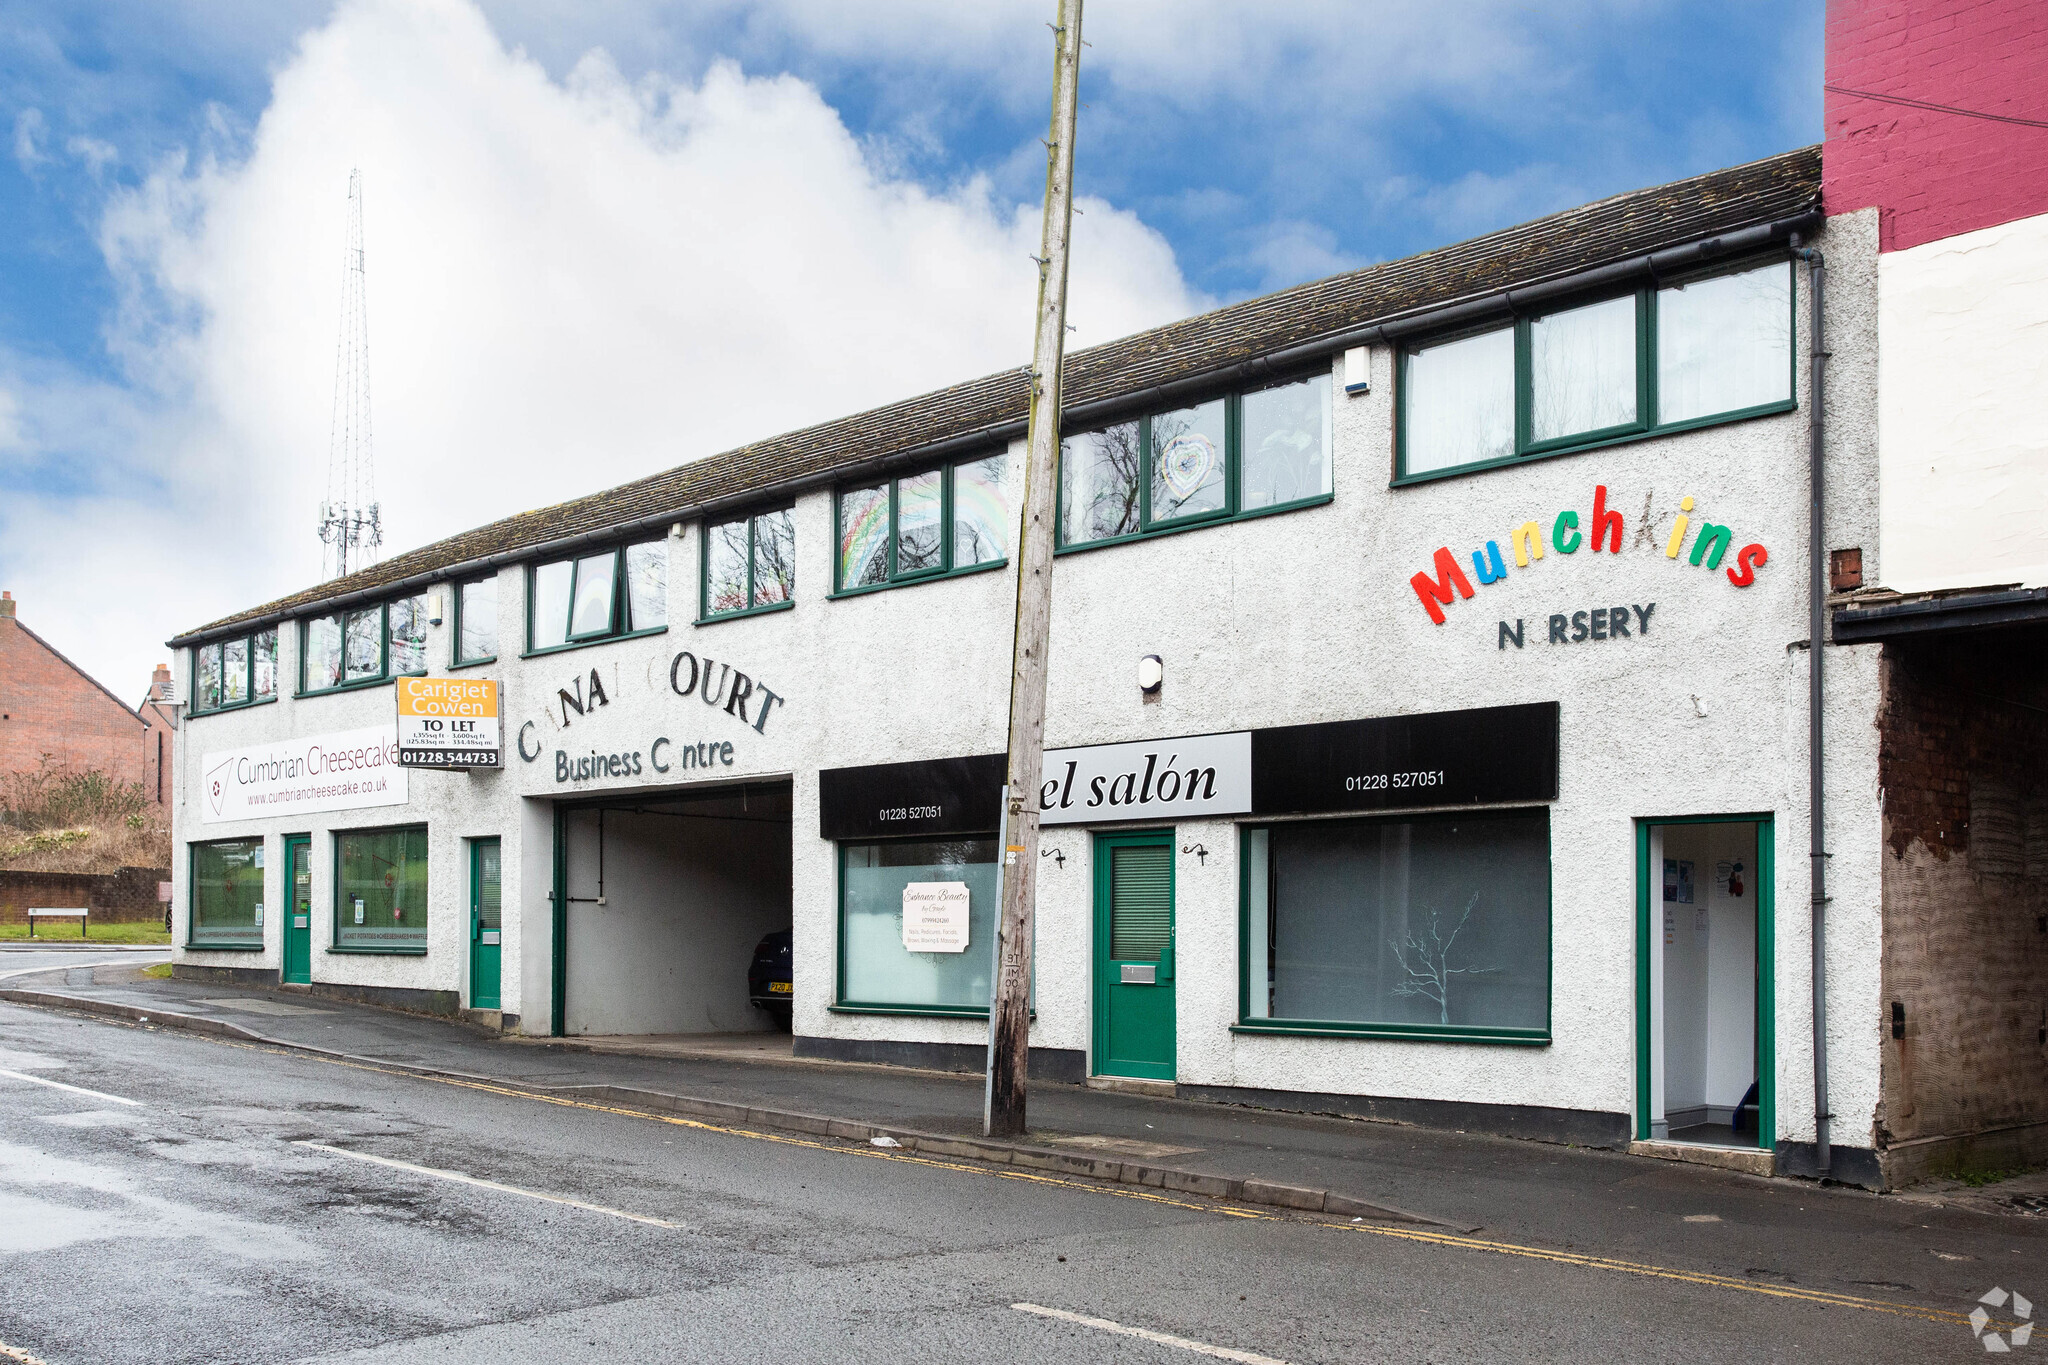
(157, 232)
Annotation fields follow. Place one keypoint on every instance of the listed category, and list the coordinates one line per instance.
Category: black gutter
(1855, 625)
(1279, 364)
(1816, 654)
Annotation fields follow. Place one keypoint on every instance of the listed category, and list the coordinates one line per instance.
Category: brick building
(52, 709)
(1934, 118)
(159, 712)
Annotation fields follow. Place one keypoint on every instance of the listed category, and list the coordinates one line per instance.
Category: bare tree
(1429, 975)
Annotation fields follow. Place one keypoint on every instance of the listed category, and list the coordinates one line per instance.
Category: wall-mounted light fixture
(1357, 373)
(1151, 674)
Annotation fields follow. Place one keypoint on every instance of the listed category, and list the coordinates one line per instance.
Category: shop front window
(877, 969)
(227, 895)
(1421, 926)
(380, 890)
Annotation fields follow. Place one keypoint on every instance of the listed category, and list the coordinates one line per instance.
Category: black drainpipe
(1816, 648)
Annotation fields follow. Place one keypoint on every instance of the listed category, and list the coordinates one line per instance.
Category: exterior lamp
(1151, 673)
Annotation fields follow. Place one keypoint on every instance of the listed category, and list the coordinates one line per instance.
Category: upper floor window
(235, 672)
(1712, 349)
(600, 596)
(945, 520)
(363, 646)
(750, 564)
(1231, 456)
(476, 621)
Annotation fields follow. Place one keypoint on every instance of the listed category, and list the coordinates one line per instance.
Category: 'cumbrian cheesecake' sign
(344, 771)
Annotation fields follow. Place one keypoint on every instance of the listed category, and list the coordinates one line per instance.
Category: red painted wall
(1932, 174)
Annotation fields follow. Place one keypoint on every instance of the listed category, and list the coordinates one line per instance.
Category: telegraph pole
(1010, 1011)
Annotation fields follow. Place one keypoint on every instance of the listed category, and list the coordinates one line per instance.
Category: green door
(298, 922)
(486, 924)
(1134, 1029)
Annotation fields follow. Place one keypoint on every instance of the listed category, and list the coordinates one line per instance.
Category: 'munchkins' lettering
(1710, 544)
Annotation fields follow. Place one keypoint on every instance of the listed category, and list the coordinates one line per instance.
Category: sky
(606, 239)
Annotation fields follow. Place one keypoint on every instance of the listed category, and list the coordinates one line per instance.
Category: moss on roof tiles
(1615, 228)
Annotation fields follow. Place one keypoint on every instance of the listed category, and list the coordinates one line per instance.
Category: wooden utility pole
(1010, 1010)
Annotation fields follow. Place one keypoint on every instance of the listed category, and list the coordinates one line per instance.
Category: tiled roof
(1616, 228)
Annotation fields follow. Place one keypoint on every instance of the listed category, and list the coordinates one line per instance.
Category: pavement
(1930, 1247)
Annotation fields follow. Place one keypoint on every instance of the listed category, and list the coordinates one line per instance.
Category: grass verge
(66, 931)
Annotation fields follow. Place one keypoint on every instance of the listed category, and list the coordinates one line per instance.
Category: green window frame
(876, 512)
(1245, 486)
(224, 895)
(375, 624)
(463, 611)
(1256, 907)
(635, 575)
(978, 954)
(236, 672)
(1647, 421)
(381, 890)
(769, 536)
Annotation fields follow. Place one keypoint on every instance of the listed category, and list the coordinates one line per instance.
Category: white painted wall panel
(1963, 377)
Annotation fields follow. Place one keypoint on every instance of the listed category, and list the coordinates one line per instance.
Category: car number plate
(779, 987)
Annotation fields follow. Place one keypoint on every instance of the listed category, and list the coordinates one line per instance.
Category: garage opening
(668, 897)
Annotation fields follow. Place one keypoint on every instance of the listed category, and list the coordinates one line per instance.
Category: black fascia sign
(1483, 756)
(932, 796)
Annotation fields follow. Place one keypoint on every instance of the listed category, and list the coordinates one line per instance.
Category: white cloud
(571, 283)
(30, 128)
(95, 153)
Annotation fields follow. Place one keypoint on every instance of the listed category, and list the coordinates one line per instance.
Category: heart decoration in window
(1186, 463)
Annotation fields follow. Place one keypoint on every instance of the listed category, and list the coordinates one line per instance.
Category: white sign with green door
(1134, 1006)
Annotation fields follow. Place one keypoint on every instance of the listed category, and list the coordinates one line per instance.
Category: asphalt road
(251, 1204)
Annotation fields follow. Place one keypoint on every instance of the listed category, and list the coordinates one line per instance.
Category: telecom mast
(349, 525)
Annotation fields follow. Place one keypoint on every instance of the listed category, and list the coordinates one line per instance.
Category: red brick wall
(1963, 762)
(157, 763)
(49, 707)
(125, 897)
(1933, 174)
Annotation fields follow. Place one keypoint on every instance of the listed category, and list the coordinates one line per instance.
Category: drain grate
(2030, 1203)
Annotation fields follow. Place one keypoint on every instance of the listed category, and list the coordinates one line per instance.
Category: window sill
(914, 1011)
(1602, 443)
(914, 581)
(363, 685)
(588, 644)
(221, 947)
(229, 710)
(381, 952)
(744, 612)
(455, 664)
(1182, 528)
(1409, 1033)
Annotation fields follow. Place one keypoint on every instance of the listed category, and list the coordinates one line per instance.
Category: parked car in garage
(768, 978)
